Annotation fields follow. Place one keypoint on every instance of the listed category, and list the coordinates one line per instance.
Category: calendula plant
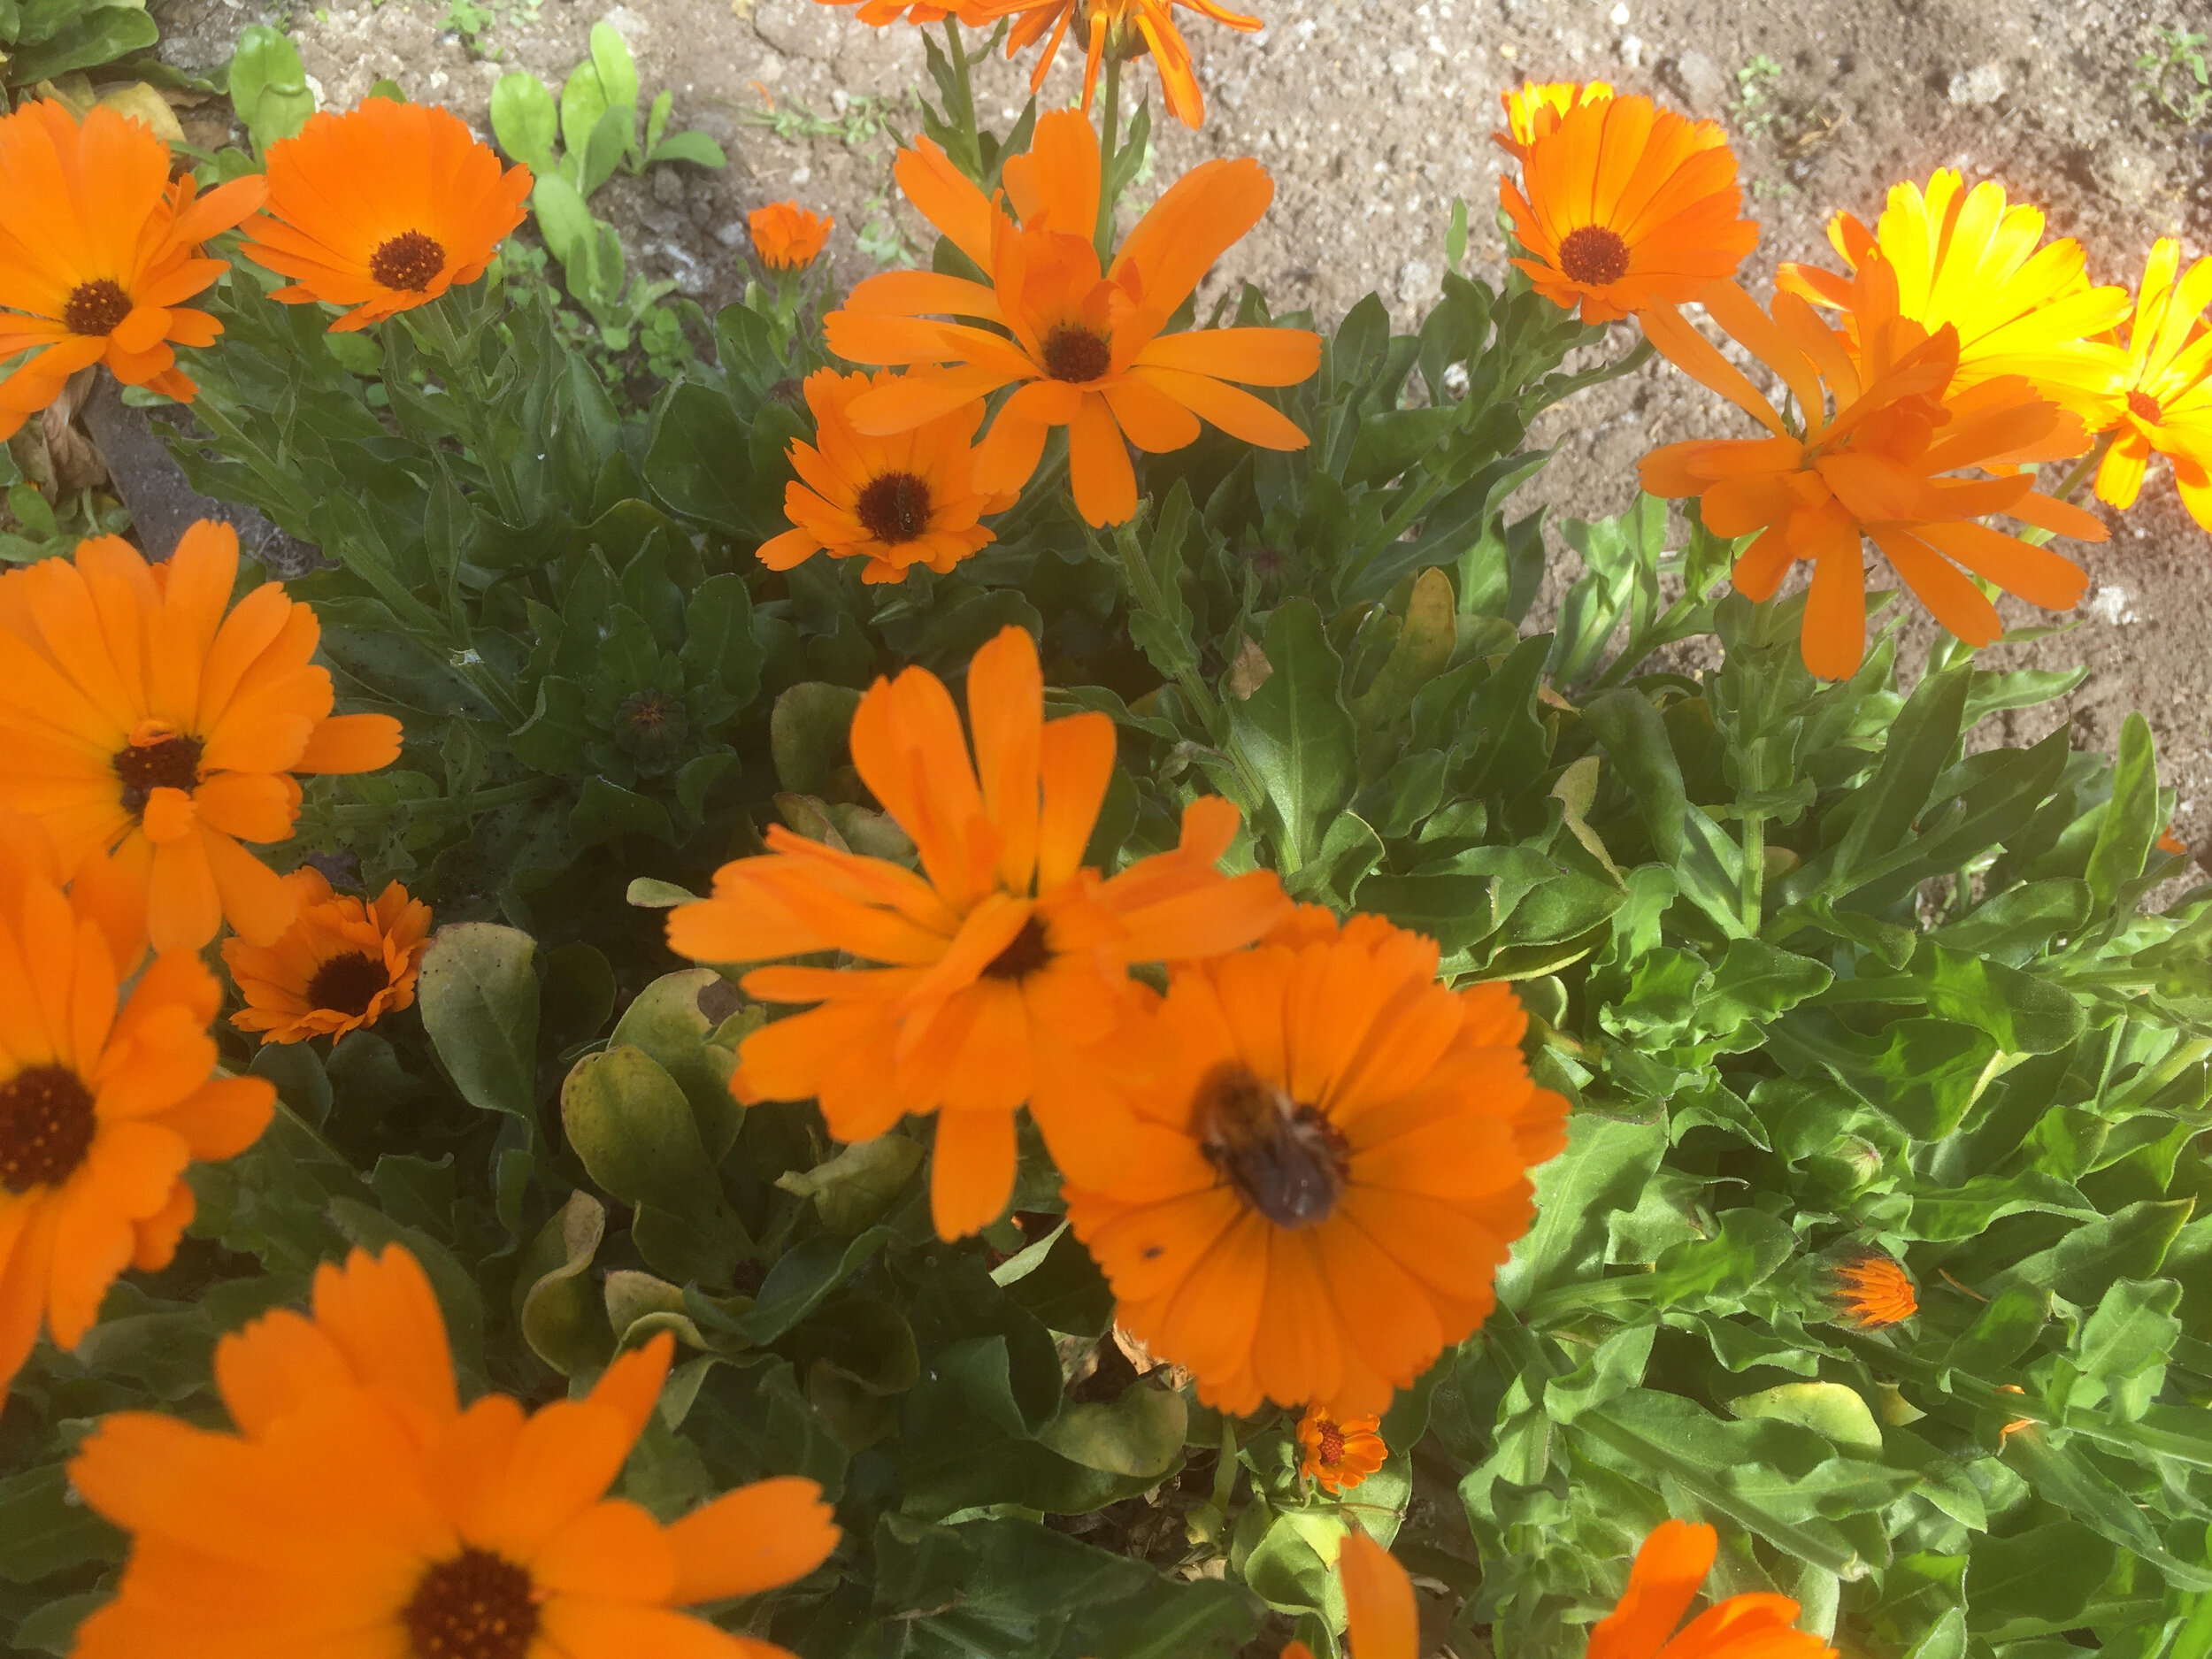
(973, 987)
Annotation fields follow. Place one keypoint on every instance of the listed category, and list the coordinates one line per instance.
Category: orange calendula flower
(786, 236)
(142, 713)
(383, 210)
(2166, 395)
(1122, 29)
(1870, 1289)
(344, 963)
(1533, 108)
(1967, 258)
(1668, 1569)
(1875, 467)
(1086, 352)
(1629, 206)
(98, 251)
(879, 12)
(357, 1509)
(1333, 1161)
(104, 1097)
(998, 975)
(1383, 1620)
(893, 501)
(1337, 1456)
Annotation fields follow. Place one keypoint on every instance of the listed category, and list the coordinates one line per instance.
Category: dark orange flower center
(1286, 1160)
(348, 984)
(408, 261)
(2144, 407)
(1593, 255)
(894, 508)
(1076, 354)
(1331, 1452)
(1027, 953)
(476, 1606)
(94, 308)
(168, 762)
(46, 1127)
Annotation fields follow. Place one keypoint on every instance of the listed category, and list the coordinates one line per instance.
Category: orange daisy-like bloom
(1534, 107)
(893, 501)
(2166, 397)
(1332, 1163)
(1003, 974)
(1383, 1618)
(384, 209)
(343, 964)
(1664, 1580)
(1629, 206)
(138, 717)
(1966, 258)
(1870, 1289)
(359, 1513)
(1337, 1456)
(1874, 468)
(786, 236)
(98, 250)
(879, 12)
(1086, 352)
(1122, 29)
(104, 1098)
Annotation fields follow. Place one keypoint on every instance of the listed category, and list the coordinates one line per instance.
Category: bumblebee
(1286, 1160)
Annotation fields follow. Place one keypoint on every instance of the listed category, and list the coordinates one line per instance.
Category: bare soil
(1373, 114)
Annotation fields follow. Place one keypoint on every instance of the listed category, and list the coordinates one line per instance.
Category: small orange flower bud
(1870, 1289)
(787, 237)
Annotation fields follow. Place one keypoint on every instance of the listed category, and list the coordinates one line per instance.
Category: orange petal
(753, 1539)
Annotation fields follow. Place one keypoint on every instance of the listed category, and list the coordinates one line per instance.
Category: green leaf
(1828, 1409)
(634, 1128)
(92, 36)
(670, 1021)
(1063, 1288)
(562, 1317)
(808, 736)
(1296, 734)
(604, 811)
(480, 1004)
(2047, 1574)
(1604, 1168)
(525, 120)
(1635, 739)
(2130, 1243)
(2131, 821)
(45, 1528)
(802, 1276)
(268, 85)
(694, 147)
(856, 1187)
(618, 70)
(698, 464)
(1140, 1434)
(1919, 748)
(1423, 648)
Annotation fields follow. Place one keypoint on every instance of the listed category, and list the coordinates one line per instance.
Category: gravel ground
(1372, 115)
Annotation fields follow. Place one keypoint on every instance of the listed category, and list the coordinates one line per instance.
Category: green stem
(1754, 873)
(434, 322)
(964, 111)
(1109, 139)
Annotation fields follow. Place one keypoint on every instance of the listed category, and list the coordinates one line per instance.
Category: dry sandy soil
(1373, 114)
